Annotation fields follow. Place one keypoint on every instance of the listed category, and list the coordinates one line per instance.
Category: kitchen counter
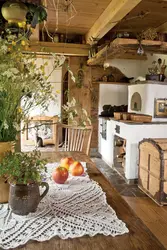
(133, 133)
(132, 122)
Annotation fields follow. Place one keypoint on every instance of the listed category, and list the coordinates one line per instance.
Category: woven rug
(72, 210)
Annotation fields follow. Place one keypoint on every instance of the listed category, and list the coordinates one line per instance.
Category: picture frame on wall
(160, 108)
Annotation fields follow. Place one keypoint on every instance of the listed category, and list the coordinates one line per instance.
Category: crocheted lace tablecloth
(72, 210)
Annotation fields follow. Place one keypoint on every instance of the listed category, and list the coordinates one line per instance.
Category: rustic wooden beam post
(115, 11)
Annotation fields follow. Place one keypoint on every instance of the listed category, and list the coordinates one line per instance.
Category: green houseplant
(25, 173)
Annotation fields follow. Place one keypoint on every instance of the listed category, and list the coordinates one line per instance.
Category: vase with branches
(23, 87)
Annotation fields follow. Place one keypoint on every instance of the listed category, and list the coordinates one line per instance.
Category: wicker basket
(127, 116)
(141, 118)
(119, 115)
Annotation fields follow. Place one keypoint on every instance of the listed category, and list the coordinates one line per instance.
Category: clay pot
(24, 199)
(4, 186)
(6, 147)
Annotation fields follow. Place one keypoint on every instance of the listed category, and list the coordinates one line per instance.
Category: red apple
(76, 168)
(66, 162)
(60, 175)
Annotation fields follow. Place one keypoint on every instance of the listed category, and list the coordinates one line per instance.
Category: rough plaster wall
(113, 95)
(135, 68)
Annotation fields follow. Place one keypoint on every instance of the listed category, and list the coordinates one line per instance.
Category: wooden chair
(75, 138)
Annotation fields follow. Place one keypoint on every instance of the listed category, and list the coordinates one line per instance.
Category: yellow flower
(42, 68)
(13, 43)
(9, 49)
(23, 43)
(21, 24)
(19, 110)
(57, 91)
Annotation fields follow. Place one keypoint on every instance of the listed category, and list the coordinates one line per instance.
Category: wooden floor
(139, 236)
(152, 215)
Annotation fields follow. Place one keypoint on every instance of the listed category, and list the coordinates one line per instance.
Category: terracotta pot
(24, 199)
(5, 147)
(4, 187)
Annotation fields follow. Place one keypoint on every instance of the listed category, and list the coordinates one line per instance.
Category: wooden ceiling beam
(59, 48)
(115, 12)
(162, 28)
(127, 41)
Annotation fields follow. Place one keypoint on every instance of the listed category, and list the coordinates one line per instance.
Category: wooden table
(57, 156)
(139, 236)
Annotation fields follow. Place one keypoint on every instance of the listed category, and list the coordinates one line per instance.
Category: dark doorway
(65, 90)
(64, 102)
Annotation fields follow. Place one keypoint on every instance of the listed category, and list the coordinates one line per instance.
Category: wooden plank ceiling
(146, 14)
(88, 12)
(155, 15)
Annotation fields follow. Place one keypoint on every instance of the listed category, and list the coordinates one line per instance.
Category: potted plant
(22, 17)
(25, 173)
(14, 11)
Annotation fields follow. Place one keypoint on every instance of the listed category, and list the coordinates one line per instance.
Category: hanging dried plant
(149, 34)
(116, 49)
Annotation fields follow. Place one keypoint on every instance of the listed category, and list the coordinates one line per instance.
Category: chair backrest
(75, 138)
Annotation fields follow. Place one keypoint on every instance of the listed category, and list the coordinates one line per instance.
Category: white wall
(112, 94)
(55, 79)
(135, 68)
(130, 68)
(148, 93)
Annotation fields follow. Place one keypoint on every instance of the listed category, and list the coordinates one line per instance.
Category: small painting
(160, 109)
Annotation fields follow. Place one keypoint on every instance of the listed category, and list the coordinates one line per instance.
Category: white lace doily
(73, 210)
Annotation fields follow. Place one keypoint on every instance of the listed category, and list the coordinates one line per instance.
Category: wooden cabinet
(153, 169)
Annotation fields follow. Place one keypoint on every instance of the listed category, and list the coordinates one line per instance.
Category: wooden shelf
(114, 83)
(69, 49)
(123, 48)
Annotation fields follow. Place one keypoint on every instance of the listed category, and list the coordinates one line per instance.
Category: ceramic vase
(24, 199)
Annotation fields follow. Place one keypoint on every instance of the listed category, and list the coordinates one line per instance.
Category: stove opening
(119, 155)
(136, 102)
